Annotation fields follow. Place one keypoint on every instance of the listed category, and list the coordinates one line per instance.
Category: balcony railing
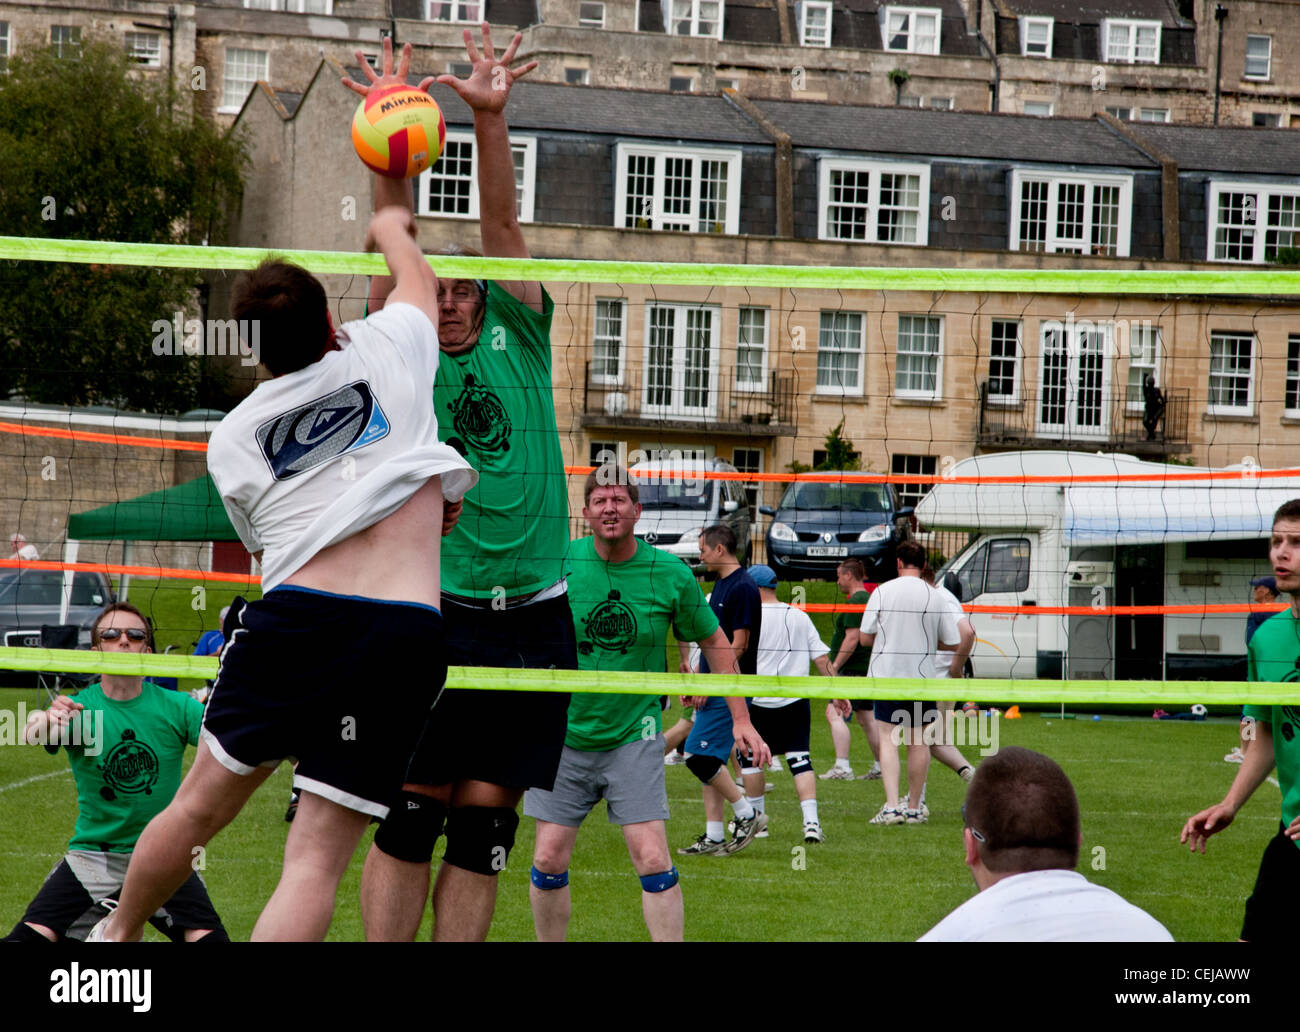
(1093, 419)
(673, 401)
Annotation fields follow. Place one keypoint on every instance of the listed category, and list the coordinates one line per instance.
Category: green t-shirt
(1274, 655)
(858, 662)
(495, 406)
(136, 768)
(621, 614)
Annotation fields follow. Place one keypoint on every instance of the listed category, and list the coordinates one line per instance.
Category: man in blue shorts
(333, 475)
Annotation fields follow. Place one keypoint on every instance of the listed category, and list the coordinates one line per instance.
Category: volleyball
(398, 132)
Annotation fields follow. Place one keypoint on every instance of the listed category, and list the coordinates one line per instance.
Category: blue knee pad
(800, 763)
(547, 882)
(661, 882)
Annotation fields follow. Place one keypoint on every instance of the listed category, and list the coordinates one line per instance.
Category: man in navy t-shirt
(739, 609)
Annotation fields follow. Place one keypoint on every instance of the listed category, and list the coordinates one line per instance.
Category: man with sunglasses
(1022, 838)
(126, 738)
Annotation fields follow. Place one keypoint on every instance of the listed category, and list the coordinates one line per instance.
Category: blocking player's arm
(1256, 765)
(415, 282)
(389, 193)
(486, 92)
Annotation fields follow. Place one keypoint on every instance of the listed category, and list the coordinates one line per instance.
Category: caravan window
(972, 574)
(998, 567)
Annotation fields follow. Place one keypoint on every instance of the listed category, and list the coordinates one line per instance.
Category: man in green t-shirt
(125, 738)
(1272, 739)
(504, 602)
(851, 658)
(625, 596)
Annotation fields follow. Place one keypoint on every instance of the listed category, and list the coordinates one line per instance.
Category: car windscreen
(836, 497)
(687, 496)
(44, 587)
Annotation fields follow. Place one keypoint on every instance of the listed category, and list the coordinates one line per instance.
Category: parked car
(677, 503)
(819, 525)
(30, 598)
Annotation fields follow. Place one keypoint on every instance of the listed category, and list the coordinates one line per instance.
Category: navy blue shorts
(508, 738)
(909, 714)
(711, 734)
(343, 684)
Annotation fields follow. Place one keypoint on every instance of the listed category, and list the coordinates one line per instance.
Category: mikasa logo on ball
(404, 100)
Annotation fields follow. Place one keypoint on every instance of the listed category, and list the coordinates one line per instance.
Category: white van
(677, 502)
(1100, 544)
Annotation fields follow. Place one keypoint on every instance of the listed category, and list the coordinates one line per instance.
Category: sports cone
(1012, 713)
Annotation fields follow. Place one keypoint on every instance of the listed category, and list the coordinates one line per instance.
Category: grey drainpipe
(997, 71)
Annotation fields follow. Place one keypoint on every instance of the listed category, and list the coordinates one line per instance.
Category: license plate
(827, 550)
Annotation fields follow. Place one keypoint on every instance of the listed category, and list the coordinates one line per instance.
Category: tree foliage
(840, 453)
(91, 149)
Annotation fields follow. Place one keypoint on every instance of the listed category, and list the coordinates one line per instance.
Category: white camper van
(1101, 543)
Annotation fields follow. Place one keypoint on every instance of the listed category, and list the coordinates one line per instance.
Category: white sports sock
(875, 767)
(743, 809)
(809, 808)
(757, 804)
(716, 830)
(843, 763)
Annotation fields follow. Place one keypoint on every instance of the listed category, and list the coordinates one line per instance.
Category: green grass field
(1137, 780)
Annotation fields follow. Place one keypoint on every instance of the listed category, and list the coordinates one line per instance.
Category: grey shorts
(630, 779)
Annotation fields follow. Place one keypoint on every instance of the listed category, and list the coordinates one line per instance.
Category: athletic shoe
(1236, 756)
(916, 816)
(292, 812)
(674, 759)
(767, 787)
(731, 829)
(967, 774)
(745, 833)
(775, 765)
(812, 832)
(96, 933)
(703, 846)
(872, 775)
(889, 815)
(837, 774)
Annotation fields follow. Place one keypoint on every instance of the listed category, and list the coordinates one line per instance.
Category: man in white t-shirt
(787, 643)
(332, 473)
(904, 623)
(1022, 843)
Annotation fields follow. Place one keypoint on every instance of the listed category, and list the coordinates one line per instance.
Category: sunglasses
(113, 633)
(974, 831)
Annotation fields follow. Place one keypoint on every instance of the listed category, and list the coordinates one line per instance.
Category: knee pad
(411, 828)
(800, 763)
(549, 881)
(703, 767)
(217, 934)
(745, 761)
(22, 933)
(661, 882)
(479, 838)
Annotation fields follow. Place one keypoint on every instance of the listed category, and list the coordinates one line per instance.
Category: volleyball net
(1095, 456)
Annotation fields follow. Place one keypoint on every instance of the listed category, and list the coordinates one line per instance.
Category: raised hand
(490, 79)
(389, 77)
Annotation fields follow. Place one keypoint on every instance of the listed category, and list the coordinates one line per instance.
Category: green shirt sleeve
(529, 327)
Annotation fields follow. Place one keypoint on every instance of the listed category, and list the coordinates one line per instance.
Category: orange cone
(1012, 713)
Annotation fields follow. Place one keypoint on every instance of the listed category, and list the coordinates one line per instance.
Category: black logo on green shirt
(611, 625)
(130, 767)
(480, 418)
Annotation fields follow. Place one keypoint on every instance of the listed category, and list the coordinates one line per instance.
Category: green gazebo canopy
(187, 512)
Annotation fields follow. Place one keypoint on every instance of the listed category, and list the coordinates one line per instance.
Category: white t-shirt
(1047, 906)
(941, 662)
(909, 621)
(787, 643)
(315, 456)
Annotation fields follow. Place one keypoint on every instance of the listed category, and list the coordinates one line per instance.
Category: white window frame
(670, 20)
(458, 12)
(583, 76)
(152, 55)
(1147, 336)
(689, 222)
(604, 379)
(913, 466)
(1129, 54)
(1053, 241)
(1072, 339)
(1040, 103)
(591, 23)
(1142, 114)
(525, 191)
(1248, 409)
(936, 393)
(291, 6)
(677, 408)
(886, 16)
(73, 42)
(804, 8)
(1025, 25)
(874, 169)
(754, 485)
(1261, 192)
(941, 104)
(1114, 111)
(761, 347)
(1004, 400)
(1268, 59)
(1292, 377)
(840, 390)
(228, 106)
(5, 43)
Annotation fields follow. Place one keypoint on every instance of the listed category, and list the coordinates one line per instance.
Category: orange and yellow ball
(398, 131)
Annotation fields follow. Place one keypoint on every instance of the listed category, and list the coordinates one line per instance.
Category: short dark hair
(720, 534)
(1288, 511)
(1024, 812)
(610, 475)
(291, 311)
(854, 568)
(120, 607)
(912, 553)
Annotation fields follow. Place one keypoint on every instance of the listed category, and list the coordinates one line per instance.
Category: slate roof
(1091, 12)
(1235, 149)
